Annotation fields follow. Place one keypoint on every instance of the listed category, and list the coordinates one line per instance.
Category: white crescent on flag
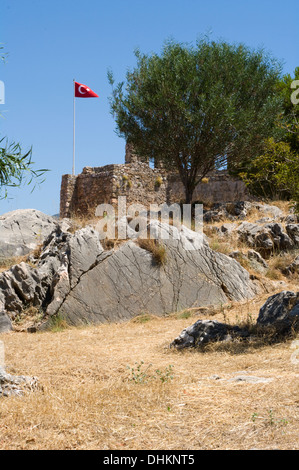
(83, 88)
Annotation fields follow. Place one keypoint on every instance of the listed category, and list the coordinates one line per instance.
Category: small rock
(257, 259)
(16, 385)
(5, 323)
(250, 379)
(293, 232)
(293, 268)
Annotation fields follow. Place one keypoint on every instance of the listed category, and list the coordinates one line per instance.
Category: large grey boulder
(128, 281)
(46, 281)
(23, 230)
(281, 309)
(206, 331)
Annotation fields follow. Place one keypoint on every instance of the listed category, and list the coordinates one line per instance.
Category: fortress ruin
(135, 179)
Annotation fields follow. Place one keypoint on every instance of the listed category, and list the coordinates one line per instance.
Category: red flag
(83, 91)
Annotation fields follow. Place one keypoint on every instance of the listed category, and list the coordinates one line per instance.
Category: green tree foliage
(195, 108)
(275, 173)
(289, 118)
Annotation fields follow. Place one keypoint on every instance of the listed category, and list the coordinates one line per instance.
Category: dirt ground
(120, 386)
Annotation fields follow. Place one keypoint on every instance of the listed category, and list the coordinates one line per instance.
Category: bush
(274, 174)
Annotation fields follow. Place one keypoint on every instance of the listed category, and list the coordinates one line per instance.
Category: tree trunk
(188, 193)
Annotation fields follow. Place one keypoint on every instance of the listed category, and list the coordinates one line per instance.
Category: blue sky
(50, 43)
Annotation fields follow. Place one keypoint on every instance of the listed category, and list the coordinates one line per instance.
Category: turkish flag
(83, 91)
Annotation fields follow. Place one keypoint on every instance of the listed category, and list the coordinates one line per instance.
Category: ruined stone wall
(219, 186)
(140, 183)
(80, 195)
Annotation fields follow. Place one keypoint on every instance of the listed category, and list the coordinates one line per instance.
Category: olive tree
(196, 108)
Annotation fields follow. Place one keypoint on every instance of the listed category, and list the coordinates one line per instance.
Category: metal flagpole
(74, 128)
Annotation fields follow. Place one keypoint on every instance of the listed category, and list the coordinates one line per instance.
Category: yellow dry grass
(7, 263)
(88, 399)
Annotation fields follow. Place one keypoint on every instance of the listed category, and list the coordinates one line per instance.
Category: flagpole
(74, 127)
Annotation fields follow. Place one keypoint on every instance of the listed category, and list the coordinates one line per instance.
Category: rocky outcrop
(44, 282)
(272, 233)
(75, 277)
(265, 238)
(293, 233)
(239, 210)
(23, 230)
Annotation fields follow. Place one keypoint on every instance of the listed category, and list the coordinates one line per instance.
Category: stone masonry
(140, 183)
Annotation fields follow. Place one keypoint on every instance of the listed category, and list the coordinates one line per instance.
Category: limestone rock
(23, 230)
(291, 219)
(74, 276)
(213, 216)
(206, 331)
(47, 280)
(84, 248)
(265, 238)
(257, 261)
(5, 323)
(280, 309)
(269, 210)
(226, 229)
(128, 281)
(238, 210)
(293, 268)
(293, 232)
(16, 385)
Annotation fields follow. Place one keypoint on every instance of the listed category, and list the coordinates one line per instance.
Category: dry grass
(7, 263)
(153, 246)
(89, 400)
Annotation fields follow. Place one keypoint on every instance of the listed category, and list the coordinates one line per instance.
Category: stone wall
(140, 183)
(219, 186)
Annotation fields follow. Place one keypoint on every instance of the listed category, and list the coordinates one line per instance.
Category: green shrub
(274, 174)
